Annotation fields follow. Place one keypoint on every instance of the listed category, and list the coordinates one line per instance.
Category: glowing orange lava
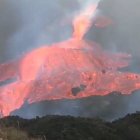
(82, 22)
(70, 69)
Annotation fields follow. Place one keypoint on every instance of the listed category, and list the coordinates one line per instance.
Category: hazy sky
(26, 24)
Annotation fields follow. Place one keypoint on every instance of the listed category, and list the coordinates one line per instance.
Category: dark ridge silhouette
(71, 128)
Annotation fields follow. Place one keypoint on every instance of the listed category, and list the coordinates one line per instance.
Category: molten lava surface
(70, 69)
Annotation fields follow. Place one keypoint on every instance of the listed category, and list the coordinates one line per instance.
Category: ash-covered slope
(109, 107)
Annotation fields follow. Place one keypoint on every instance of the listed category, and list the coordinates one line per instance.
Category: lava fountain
(70, 69)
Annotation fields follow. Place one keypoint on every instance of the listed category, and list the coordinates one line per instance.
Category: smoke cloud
(26, 25)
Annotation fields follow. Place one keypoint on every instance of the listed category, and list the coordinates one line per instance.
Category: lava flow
(70, 69)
